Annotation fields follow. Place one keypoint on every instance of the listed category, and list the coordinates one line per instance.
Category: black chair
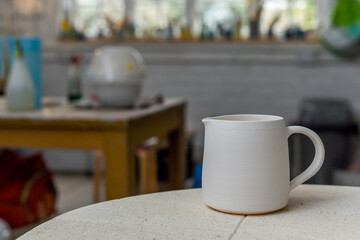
(333, 121)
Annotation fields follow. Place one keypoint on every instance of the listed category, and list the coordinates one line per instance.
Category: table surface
(313, 212)
(57, 109)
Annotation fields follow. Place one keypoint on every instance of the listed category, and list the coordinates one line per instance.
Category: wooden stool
(147, 168)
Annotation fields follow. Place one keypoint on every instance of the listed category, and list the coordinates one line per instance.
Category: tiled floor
(73, 191)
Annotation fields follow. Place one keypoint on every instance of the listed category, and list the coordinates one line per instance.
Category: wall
(230, 78)
(30, 19)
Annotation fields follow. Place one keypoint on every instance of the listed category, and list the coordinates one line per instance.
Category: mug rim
(244, 118)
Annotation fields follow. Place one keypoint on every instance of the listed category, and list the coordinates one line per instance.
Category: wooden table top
(314, 212)
(56, 110)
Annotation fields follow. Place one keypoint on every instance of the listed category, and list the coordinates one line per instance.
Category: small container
(114, 76)
(74, 79)
(31, 50)
(20, 92)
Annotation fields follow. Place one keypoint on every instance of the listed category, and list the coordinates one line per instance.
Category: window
(155, 18)
(211, 13)
(152, 17)
(93, 17)
(235, 13)
(301, 13)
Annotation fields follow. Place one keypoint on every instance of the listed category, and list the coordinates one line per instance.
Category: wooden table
(115, 133)
(314, 212)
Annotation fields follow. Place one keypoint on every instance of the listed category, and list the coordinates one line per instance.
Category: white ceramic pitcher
(246, 163)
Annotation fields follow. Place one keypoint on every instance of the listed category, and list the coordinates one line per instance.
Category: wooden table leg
(97, 175)
(120, 166)
(148, 169)
(177, 155)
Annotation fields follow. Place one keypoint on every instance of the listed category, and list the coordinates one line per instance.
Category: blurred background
(292, 58)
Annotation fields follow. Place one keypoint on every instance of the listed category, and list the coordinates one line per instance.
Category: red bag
(27, 192)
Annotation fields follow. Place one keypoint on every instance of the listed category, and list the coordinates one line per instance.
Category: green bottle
(74, 80)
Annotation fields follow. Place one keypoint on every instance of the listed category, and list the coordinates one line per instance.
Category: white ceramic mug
(246, 163)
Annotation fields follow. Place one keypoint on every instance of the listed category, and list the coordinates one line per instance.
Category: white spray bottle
(19, 92)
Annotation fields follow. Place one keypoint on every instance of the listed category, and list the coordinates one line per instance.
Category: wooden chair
(146, 154)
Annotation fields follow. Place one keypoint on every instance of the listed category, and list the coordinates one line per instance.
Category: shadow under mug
(246, 163)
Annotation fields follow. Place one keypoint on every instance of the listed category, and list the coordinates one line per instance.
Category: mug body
(246, 164)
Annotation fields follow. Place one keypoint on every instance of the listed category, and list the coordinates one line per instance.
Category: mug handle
(318, 159)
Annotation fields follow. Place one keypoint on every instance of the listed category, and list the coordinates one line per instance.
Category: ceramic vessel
(114, 76)
(246, 163)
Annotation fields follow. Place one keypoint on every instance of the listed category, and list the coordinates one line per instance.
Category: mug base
(246, 212)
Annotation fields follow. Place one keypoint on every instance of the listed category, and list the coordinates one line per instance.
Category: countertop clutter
(313, 212)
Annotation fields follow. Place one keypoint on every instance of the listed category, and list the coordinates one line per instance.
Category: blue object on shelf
(198, 176)
(32, 55)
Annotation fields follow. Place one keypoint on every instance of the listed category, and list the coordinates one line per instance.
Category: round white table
(314, 212)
